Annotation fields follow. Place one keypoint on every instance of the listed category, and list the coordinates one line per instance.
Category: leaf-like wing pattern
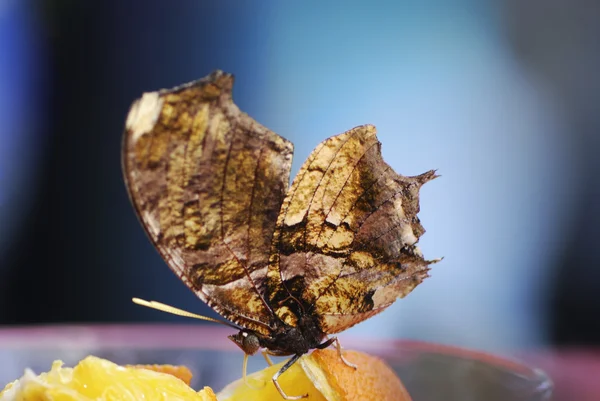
(345, 243)
(207, 182)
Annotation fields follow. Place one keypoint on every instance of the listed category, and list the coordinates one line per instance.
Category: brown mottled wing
(345, 243)
(207, 182)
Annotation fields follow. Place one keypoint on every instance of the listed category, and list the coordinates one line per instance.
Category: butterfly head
(247, 341)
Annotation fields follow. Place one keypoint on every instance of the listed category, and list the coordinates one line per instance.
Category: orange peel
(179, 371)
(323, 376)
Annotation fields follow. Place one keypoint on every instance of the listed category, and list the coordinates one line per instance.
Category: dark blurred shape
(81, 255)
(22, 90)
(558, 41)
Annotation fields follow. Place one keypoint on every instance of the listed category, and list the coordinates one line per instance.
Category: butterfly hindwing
(207, 182)
(345, 243)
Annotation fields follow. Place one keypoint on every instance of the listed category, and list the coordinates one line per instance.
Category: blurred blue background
(502, 97)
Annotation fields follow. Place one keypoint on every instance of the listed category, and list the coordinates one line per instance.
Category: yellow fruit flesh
(98, 379)
(261, 388)
(323, 376)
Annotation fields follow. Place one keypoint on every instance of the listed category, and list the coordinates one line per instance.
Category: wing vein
(342, 190)
(352, 134)
(243, 265)
(222, 214)
(375, 211)
(252, 193)
(356, 231)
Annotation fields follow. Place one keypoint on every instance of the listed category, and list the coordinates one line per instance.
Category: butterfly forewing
(344, 246)
(207, 182)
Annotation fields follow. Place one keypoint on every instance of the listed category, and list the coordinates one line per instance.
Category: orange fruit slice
(98, 379)
(323, 376)
(181, 372)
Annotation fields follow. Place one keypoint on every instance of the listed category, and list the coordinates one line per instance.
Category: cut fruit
(323, 376)
(98, 379)
(181, 372)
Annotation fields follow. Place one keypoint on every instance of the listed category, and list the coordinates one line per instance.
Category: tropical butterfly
(287, 268)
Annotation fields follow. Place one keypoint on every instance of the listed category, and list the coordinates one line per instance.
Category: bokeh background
(502, 97)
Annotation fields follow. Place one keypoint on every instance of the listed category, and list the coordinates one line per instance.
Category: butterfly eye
(250, 343)
(247, 341)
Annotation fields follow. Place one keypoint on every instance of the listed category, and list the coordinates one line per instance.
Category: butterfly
(286, 267)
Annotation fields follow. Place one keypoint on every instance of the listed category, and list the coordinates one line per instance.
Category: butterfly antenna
(179, 312)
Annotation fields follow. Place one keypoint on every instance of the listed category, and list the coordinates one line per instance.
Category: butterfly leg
(279, 373)
(338, 346)
(265, 354)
